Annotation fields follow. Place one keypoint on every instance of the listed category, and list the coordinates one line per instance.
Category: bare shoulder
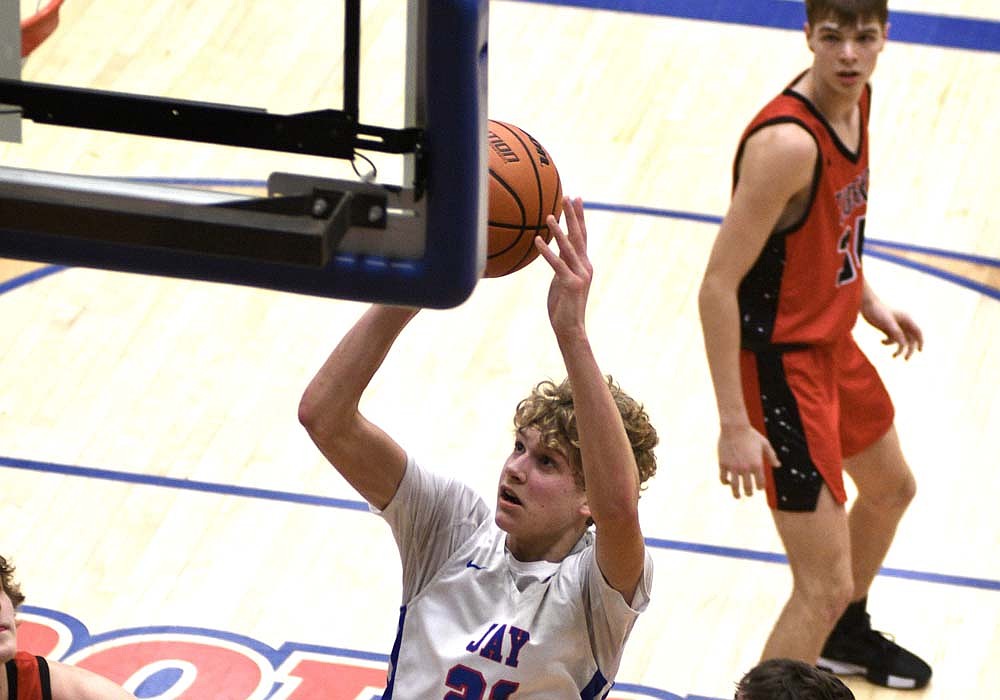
(780, 152)
(72, 683)
(788, 138)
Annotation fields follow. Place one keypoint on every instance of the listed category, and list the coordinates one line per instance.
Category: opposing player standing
(782, 290)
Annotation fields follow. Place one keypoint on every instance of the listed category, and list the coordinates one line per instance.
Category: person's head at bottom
(788, 679)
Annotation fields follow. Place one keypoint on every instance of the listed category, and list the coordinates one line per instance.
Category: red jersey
(28, 678)
(805, 287)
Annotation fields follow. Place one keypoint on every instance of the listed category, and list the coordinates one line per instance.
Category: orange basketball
(524, 189)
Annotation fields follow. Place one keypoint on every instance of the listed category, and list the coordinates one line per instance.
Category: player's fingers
(770, 456)
(572, 222)
(915, 336)
(572, 251)
(577, 208)
(558, 235)
(554, 261)
(897, 339)
(576, 235)
(748, 479)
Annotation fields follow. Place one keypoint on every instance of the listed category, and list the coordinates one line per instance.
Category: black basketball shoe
(854, 648)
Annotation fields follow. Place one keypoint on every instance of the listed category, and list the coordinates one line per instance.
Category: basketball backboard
(419, 243)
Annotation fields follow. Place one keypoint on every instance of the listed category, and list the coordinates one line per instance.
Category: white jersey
(478, 624)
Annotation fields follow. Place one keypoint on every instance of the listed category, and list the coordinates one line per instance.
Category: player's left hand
(567, 300)
(899, 328)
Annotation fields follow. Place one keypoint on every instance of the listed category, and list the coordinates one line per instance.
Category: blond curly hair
(8, 583)
(549, 409)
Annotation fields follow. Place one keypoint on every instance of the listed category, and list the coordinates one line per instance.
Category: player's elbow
(309, 410)
(320, 418)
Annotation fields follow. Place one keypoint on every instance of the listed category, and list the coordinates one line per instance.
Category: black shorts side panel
(797, 482)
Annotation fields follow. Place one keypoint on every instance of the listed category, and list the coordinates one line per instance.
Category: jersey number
(470, 685)
(850, 247)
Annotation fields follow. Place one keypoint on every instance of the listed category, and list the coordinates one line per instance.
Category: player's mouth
(848, 77)
(508, 496)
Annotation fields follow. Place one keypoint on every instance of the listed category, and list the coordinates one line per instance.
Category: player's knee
(828, 597)
(895, 494)
(907, 489)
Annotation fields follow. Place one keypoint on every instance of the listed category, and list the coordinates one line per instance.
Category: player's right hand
(743, 454)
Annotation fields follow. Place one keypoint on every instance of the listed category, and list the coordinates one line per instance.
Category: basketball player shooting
(479, 586)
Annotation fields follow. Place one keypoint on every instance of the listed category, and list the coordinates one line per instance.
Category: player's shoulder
(784, 141)
(70, 682)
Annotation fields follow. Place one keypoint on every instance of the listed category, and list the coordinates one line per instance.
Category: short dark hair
(788, 679)
(847, 11)
(8, 583)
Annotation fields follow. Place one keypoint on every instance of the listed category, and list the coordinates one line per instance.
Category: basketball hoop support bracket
(301, 229)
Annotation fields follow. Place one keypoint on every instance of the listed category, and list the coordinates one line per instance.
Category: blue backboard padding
(455, 126)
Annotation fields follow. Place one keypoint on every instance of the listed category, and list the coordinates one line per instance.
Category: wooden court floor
(172, 524)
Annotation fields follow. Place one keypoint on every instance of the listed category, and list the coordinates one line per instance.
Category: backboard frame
(420, 244)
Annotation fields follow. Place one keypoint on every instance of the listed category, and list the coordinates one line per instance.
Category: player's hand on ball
(573, 272)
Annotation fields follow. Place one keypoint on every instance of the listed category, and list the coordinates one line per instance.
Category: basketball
(524, 189)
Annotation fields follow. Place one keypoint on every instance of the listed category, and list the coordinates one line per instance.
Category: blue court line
(946, 31)
(937, 252)
(29, 277)
(872, 246)
(871, 249)
(775, 558)
(983, 289)
(184, 484)
(309, 499)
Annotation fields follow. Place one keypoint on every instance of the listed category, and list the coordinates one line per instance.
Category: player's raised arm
(610, 472)
(364, 454)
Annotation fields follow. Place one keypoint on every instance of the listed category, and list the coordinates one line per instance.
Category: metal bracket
(301, 229)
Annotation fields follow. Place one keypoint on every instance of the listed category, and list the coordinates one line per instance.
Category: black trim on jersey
(43, 676)
(11, 667)
(596, 685)
(758, 294)
(853, 156)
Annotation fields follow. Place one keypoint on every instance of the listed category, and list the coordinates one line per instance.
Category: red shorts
(816, 406)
